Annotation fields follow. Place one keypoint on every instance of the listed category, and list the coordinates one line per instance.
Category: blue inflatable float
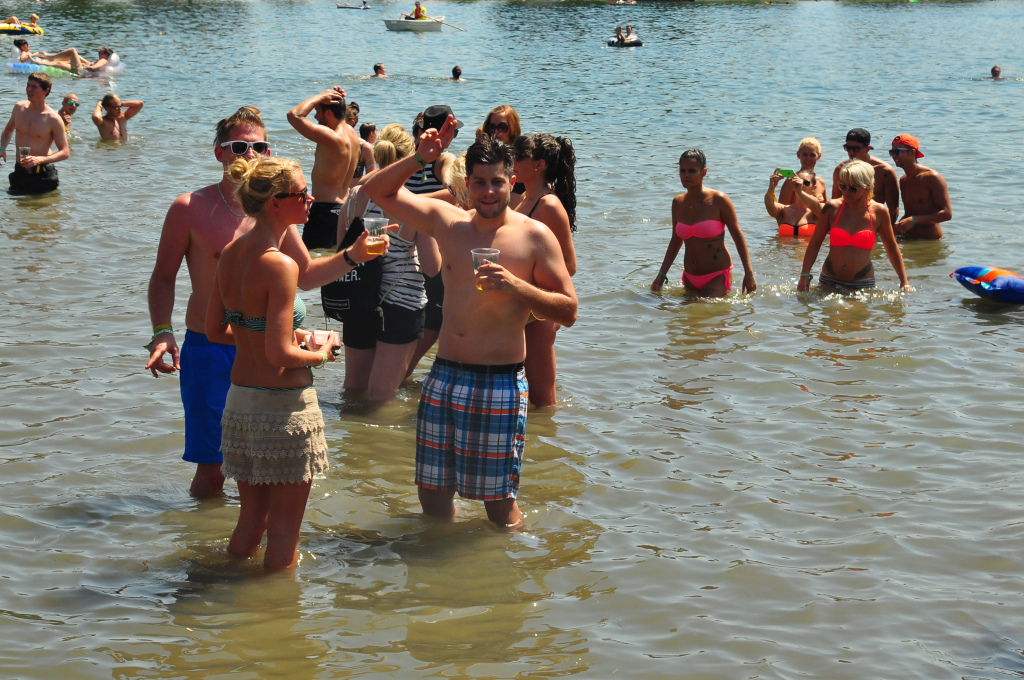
(992, 283)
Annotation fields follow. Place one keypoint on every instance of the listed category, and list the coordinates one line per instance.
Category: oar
(447, 24)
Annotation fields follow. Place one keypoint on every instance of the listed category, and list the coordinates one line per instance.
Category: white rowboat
(418, 25)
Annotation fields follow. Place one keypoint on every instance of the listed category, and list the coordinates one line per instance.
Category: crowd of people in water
(473, 252)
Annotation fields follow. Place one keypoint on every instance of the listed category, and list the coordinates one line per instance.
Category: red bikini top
(864, 239)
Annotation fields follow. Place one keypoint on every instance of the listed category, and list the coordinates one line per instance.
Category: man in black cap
(887, 186)
(428, 180)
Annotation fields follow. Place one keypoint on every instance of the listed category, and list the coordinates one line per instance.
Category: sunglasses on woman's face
(849, 187)
(304, 193)
(497, 127)
(240, 148)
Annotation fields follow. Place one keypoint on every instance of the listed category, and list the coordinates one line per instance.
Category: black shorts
(398, 326)
(38, 180)
(435, 301)
(321, 230)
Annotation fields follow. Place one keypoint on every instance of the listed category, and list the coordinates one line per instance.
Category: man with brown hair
(198, 226)
(37, 128)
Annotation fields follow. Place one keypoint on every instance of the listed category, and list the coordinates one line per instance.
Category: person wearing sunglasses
(272, 436)
(111, 117)
(925, 194)
(197, 228)
(853, 223)
(799, 217)
(887, 188)
(502, 123)
(334, 162)
(67, 109)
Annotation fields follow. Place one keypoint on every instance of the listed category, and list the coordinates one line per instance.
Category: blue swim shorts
(471, 429)
(205, 378)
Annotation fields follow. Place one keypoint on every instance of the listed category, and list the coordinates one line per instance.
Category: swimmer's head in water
(245, 116)
(378, 68)
(859, 174)
(260, 179)
(456, 72)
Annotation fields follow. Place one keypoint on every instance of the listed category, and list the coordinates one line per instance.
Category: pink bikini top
(703, 229)
(864, 239)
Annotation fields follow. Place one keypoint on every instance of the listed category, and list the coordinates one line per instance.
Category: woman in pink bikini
(700, 218)
(852, 224)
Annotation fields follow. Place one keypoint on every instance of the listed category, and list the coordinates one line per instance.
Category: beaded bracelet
(663, 275)
(809, 275)
(159, 330)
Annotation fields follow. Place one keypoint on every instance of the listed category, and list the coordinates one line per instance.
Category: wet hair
(811, 142)
(455, 178)
(366, 129)
(811, 174)
(417, 126)
(108, 99)
(393, 143)
(560, 170)
(858, 173)
(43, 80)
(695, 155)
(489, 151)
(995, 71)
(20, 43)
(456, 72)
(248, 116)
(338, 107)
(377, 68)
(354, 106)
(260, 179)
(514, 129)
(104, 50)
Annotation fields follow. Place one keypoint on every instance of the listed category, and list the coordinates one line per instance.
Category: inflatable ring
(992, 283)
(614, 42)
(20, 29)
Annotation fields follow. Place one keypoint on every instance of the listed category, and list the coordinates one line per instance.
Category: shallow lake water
(778, 485)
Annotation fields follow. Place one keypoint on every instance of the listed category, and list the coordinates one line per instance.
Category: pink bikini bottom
(700, 281)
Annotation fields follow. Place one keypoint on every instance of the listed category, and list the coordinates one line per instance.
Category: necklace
(226, 204)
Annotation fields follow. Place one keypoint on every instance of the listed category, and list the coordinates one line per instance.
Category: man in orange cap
(887, 188)
(925, 196)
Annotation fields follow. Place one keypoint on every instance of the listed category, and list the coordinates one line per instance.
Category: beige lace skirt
(272, 436)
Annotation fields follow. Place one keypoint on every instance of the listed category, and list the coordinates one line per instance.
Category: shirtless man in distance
(887, 189)
(198, 226)
(68, 108)
(482, 342)
(113, 127)
(38, 127)
(334, 164)
(925, 195)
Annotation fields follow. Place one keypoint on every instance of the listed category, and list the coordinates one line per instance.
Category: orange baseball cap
(908, 140)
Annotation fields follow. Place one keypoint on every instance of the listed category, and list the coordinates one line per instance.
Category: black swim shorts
(321, 231)
(38, 180)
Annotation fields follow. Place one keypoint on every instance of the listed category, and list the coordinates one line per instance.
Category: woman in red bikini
(700, 218)
(852, 224)
(798, 218)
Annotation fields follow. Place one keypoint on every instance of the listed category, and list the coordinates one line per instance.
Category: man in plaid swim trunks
(471, 425)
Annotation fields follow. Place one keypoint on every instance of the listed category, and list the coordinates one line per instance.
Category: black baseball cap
(859, 135)
(435, 116)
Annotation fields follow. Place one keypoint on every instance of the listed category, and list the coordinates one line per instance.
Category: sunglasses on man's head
(240, 148)
(498, 127)
(853, 148)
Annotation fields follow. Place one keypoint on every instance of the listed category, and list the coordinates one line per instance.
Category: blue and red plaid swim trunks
(471, 429)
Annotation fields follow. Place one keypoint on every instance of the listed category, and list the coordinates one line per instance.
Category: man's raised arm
(385, 187)
(312, 131)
